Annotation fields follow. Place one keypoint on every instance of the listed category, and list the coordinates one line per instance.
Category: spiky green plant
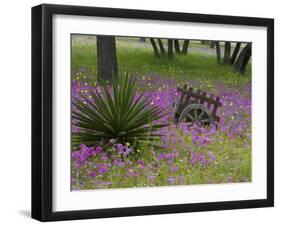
(116, 112)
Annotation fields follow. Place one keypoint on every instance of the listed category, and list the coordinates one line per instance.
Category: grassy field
(137, 58)
(185, 155)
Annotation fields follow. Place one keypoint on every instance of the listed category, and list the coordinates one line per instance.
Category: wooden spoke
(205, 120)
(190, 116)
(201, 115)
(195, 113)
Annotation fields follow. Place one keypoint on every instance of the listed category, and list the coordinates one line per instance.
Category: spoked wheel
(197, 113)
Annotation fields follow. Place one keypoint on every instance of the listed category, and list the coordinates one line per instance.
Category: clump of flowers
(122, 150)
(81, 156)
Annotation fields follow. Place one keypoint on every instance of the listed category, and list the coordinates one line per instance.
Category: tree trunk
(106, 57)
(243, 59)
(218, 51)
(212, 45)
(155, 49)
(227, 49)
(142, 39)
(177, 46)
(162, 49)
(235, 53)
(170, 48)
(185, 47)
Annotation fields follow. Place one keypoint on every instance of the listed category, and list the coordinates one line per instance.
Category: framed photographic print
(147, 112)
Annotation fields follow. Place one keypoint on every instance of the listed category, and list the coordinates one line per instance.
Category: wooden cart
(196, 106)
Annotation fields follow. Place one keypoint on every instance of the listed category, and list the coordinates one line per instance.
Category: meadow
(184, 154)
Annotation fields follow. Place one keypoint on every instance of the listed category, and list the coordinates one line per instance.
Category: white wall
(15, 111)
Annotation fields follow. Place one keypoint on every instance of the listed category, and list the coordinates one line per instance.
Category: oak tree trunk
(170, 48)
(243, 59)
(177, 46)
(235, 53)
(106, 57)
(212, 44)
(162, 49)
(204, 42)
(185, 47)
(227, 49)
(155, 49)
(218, 51)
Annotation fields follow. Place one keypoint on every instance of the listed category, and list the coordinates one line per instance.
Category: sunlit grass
(140, 60)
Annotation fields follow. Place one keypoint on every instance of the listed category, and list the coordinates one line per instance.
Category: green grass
(138, 59)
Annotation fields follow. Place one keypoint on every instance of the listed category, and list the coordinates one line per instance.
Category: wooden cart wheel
(197, 113)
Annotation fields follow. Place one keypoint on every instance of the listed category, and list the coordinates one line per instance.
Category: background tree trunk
(162, 49)
(243, 59)
(185, 47)
(227, 49)
(235, 53)
(142, 39)
(218, 51)
(212, 44)
(204, 42)
(170, 48)
(177, 46)
(155, 49)
(106, 57)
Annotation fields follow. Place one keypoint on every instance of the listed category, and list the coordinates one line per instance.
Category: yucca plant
(115, 113)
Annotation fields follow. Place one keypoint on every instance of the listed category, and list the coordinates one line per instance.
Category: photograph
(151, 111)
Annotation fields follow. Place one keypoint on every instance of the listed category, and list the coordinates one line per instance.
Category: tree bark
(170, 48)
(162, 49)
(106, 57)
(212, 44)
(235, 53)
(243, 59)
(185, 47)
(155, 49)
(227, 49)
(218, 51)
(177, 46)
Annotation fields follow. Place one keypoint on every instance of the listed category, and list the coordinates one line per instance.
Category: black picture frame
(42, 111)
